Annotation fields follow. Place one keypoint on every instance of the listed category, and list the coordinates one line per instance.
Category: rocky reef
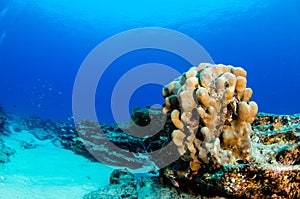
(124, 184)
(221, 152)
(274, 171)
(226, 149)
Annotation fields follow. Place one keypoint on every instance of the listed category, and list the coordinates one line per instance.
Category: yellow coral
(213, 104)
(176, 121)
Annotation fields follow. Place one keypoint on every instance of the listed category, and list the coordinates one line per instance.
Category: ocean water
(43, 44)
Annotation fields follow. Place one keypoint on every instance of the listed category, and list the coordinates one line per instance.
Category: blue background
(43, 43)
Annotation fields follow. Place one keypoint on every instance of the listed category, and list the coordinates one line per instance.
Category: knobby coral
(211, 109)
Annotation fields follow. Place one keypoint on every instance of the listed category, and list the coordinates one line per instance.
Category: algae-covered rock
(273, 171)
(123, 185)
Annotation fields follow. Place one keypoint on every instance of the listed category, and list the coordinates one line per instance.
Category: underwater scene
(149, 99)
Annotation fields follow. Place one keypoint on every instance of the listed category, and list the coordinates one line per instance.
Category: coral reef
(226, 148)
(211, 109)
(273, 171)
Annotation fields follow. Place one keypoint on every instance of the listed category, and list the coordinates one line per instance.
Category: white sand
(48, 172)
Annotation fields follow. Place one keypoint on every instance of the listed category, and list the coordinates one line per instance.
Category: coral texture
(211, 109)
(227, 150)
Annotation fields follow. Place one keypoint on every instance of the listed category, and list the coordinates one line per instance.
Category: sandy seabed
(47, 171)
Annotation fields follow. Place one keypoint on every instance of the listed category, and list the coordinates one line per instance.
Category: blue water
(44, 42)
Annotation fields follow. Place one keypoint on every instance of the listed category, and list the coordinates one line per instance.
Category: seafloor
(46, 159)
